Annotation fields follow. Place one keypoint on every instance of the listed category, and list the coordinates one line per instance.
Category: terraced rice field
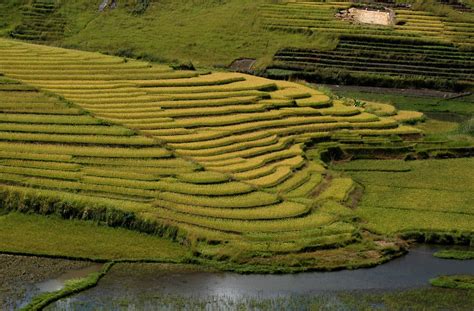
(40, 22)
(219, 156)
(356, 56)
(420, 47)
(320, 17)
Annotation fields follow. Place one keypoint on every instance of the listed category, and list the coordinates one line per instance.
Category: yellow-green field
(215, 161)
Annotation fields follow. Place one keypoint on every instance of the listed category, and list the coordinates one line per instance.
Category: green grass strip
(455, 254)
(454, 281)
(71, 287)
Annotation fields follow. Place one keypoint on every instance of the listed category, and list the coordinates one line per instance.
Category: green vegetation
(237, 23)
(421, 50)
(110, 158)
(146, 155)
(454, 281)
(53, 236)
(289, 39)
(455, 254)
(40, 22)
(402, 201)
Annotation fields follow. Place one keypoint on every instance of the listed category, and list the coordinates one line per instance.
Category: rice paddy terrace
(426, 45)
(40, 22)
(217, 161)
(422, 48)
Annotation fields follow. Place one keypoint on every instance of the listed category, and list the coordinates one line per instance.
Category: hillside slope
(215, 160)
(429, 45)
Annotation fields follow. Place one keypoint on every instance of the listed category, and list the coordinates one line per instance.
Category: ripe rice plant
(338, 190)
(48, 119)
(278, 211)
(313, 220)
(252, 199)
(66, 129)
(77, 139)
(41, 164)
(54, 174)
(86, 151)
(204, 177)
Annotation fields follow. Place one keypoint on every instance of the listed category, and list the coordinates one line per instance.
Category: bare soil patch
(242, 64)
(385, 17)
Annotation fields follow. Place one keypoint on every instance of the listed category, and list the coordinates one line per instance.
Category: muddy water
(23, 277)
(58, 283)
(139, 287)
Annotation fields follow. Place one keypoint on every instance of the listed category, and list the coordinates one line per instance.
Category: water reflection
(147, 289)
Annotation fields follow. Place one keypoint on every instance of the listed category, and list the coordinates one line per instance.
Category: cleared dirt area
(368, 16)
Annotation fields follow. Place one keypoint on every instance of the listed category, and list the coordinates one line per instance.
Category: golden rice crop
(113, 172)
(220, 142)
(259, 161)
(25, 155)
(86, 151)
(78, 139)
(204, 80)
(252, 199)
(141, 163)
(66, 129)
(306, 188)
(41, 164)
(144, 113)
(278, 211)
(48, 119)
(281, 173)
(338, 227)
(247, 152)
(230, 148)
(313, 220)
(202, 135)
(222, 189)
(54, 174)
(408, 116)
(234, 87)
(292, 163)
(315, 101)
(380, 109)
(204, 177)
(338, 190)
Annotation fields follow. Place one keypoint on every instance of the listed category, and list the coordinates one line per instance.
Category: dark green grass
(455, 254)
(34, 234)
(454, 281)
